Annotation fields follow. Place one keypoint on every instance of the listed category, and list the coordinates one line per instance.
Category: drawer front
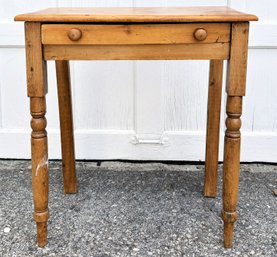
(135, 34)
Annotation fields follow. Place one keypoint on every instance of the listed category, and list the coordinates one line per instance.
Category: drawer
(134, 34)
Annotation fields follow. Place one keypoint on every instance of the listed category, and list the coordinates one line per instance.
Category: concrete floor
(135, 209)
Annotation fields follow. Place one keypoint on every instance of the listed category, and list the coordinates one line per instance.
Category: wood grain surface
(136, 14)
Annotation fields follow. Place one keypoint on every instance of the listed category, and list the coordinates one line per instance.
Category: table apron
(195, 51)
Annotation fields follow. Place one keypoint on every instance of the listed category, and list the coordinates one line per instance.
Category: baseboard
(121, 144)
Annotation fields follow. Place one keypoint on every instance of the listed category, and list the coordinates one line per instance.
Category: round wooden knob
(200, 34)
(75, 34)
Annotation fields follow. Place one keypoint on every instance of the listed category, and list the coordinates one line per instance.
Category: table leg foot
(229, 219)
(228, 235)
(42, 234)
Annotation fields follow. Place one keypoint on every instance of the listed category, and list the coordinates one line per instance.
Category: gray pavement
(137, 209)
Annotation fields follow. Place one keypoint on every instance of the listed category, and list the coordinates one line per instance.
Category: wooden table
(183, 33)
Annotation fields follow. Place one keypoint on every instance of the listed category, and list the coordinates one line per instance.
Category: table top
(137, 14)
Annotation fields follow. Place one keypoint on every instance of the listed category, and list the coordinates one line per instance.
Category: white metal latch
(149, 139)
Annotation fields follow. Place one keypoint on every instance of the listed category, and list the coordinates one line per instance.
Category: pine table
(179, 33)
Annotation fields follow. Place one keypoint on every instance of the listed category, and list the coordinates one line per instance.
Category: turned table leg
(37, 89)
(236, 84)
(231, 166)
(213, 127)
(66, 126)
(39, 167)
